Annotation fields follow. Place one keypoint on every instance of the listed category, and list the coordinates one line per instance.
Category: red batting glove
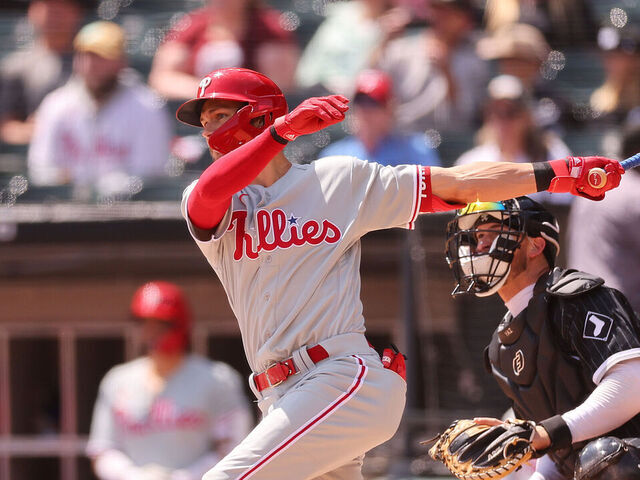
(311, 115)
(572, 175)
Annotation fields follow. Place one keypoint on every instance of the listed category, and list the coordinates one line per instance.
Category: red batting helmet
(263, 97)
(165, 302)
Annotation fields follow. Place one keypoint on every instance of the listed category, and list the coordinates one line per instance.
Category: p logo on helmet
(164, 302)
(204, 83)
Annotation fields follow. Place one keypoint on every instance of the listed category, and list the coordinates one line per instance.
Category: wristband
(277, 137)
(558, 431)
(543, 173)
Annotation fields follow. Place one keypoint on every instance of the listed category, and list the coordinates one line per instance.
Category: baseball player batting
(284, 240)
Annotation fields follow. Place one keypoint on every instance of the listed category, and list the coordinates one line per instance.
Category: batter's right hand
(312, 115)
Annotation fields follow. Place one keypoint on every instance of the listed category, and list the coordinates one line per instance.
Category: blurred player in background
(284, 240)
(567, 353)
(168, 415)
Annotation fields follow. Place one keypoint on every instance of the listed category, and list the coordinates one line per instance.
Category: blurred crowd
(438, 82)
(89, 89)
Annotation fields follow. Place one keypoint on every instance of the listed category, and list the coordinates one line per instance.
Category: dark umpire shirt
(553, 354)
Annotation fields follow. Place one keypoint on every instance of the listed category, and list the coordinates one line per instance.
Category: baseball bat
(598, 178)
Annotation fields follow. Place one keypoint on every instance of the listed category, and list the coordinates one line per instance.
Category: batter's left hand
(312, 115)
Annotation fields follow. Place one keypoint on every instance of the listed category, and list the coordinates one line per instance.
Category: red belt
(279, 372)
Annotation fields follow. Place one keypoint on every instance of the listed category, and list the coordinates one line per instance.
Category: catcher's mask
(164, 302)
(262, 96)
(483, 272)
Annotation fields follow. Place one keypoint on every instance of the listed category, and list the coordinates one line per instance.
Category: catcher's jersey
(552, 355)
(200, 404)
(288, 255)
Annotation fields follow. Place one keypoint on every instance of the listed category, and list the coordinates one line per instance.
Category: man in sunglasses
(567, 352)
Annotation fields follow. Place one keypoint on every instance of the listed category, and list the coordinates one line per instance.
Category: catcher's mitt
(472, 452)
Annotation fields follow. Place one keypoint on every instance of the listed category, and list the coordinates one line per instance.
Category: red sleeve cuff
(428, 202)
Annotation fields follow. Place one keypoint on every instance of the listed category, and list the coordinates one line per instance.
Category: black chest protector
(531, 366)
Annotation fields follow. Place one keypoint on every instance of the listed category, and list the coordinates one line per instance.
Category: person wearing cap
(567, 351)
(510, 134)
(170, 414)
(28, 75)
(438, 78)
(375, 137)
(521, 50)
(104, 126)
(619, 93)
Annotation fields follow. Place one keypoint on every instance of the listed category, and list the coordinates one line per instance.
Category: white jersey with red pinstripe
(288, 256)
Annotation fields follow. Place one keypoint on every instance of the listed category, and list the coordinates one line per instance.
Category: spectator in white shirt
(104, 126)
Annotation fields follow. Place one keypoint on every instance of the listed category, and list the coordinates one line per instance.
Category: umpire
(567, 352)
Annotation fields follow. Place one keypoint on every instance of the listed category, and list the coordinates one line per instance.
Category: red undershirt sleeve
(211, 196)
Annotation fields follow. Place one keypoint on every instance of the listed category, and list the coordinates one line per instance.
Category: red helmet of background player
(374, 84)
(165, 302)
(263, 97)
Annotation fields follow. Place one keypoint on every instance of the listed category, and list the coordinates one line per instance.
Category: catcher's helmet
(483, 273)
(262, 96)
(609, 458)
(165, 302)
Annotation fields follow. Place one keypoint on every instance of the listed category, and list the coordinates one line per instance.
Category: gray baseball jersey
(175, 426)
(288, 255)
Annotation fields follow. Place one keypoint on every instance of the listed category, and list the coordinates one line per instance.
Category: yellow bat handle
(597, 178)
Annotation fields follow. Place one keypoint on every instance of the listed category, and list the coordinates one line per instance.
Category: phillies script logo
(275, 230)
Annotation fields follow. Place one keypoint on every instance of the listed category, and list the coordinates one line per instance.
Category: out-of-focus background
(93, 164)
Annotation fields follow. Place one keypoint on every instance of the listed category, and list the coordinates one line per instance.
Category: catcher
(567, 354)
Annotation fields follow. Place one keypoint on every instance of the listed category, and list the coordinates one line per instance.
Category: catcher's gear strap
(571, 283)
(558, 431)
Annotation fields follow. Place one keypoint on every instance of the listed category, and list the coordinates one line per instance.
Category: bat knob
(597, 178)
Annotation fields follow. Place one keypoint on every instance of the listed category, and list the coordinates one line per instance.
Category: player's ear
(535, 246)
